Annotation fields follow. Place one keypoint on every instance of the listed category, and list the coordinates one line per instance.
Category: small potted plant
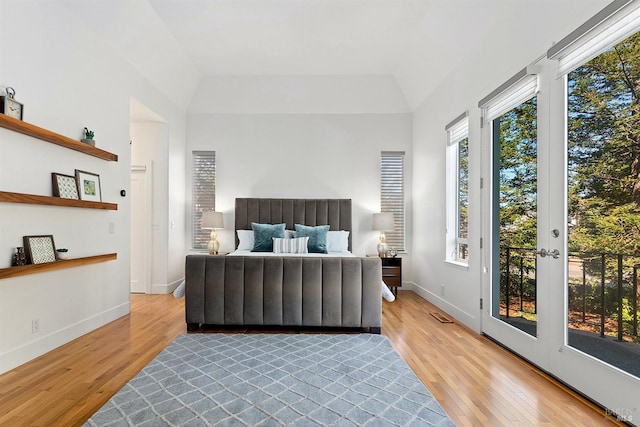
(88, 137)
(63, 253)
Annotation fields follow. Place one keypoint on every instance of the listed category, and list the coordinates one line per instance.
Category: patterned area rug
(274, 379)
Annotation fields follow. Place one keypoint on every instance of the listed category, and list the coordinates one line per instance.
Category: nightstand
(391, 272)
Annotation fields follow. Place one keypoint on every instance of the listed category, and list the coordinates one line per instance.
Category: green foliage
(88, 134)
(604, 151)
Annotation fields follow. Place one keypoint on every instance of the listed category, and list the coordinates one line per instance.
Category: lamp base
(383, 250)
(213, 245)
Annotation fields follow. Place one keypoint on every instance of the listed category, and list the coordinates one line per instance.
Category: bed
(245, 288)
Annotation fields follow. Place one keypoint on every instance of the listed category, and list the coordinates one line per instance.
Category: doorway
(548, 278)
(140, 209)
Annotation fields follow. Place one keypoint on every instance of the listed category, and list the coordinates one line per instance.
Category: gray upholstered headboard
(334, 212)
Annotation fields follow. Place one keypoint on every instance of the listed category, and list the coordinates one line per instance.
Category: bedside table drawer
(392, 281)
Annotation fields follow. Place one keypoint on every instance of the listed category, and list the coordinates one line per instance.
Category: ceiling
(419, 42)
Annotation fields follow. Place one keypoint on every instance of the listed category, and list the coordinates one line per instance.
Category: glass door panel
(603, 202)
(515, 225)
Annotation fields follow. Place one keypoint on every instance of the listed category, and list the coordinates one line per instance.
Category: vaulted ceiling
(418, 42)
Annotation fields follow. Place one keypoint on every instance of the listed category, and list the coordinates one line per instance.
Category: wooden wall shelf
(23, 270)
(54, 138)
(32, 199)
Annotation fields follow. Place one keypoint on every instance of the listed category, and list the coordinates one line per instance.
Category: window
(203, 194)
(457, 244)
(392, 195)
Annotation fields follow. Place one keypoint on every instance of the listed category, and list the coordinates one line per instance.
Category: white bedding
(386, 292)
(308, 255)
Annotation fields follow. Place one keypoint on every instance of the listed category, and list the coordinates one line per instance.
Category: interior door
(140, 274)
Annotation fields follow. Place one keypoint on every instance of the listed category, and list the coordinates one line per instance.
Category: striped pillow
(297, 245)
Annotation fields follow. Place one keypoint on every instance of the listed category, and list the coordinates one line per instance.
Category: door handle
(555, 254)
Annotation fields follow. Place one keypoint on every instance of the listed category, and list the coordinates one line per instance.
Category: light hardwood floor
(476, 381)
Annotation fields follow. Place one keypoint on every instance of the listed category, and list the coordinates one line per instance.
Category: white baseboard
(166, 288)
(37, 347)
(471, 321)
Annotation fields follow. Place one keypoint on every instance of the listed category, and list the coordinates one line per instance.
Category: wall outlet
(442, 290)
(35, 326)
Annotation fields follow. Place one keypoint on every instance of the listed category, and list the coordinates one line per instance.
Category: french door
(520, 249)
(530, 277)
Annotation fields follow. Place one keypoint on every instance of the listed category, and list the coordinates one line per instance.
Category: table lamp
(384, 222)
(210, 221)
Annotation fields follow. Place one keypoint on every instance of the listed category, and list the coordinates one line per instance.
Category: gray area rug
(274, 379)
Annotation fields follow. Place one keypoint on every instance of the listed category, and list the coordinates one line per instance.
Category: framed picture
(39, 249)
(88, 186)
(64, 186)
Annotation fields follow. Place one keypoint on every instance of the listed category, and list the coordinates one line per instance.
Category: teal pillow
(317, 237)
(263, 235)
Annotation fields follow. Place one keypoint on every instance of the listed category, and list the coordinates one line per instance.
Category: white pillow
(337, 241)
(296, 245)
(245, 240)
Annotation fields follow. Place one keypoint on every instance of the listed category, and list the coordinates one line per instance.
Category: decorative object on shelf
(88, 137)
(19, 258)
(65, 186)
(9, 105)
(62, 253)
(384, 222)
(40, 249)
(210, 221)
(393, 252)
(89, 186)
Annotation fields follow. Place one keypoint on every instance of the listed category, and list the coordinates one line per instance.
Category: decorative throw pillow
(297, 245)
(317, 237)
(263, 235)
(338, 241)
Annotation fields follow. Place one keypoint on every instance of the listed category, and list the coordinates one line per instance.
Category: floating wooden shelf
(54, 138)
(32, 199)
(23, 270)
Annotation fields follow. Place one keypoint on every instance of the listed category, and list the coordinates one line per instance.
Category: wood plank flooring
(476, 381)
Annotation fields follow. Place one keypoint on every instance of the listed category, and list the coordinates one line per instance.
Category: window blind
(458, 129)
(518, 89)
(203, 194)
(619, 20)
(392, 195)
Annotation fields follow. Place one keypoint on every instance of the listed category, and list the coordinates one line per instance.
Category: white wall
(68, 80)
(476, 77)
(301, 137)
(301, 156)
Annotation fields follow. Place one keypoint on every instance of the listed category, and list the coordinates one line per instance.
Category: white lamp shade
(383, 221)
(211, 219)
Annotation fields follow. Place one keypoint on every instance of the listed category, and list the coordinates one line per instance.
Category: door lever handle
(555, 254)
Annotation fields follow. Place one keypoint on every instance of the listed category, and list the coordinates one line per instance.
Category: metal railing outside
(602, 289)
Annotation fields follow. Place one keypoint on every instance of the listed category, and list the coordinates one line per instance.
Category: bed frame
(288, 292)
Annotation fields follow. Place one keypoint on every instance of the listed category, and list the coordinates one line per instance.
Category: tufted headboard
(335, 212)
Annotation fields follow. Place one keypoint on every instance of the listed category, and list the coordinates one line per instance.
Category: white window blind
(518, 89)
(392, 195)
(458, 129)
(203, 194)
(619, 20)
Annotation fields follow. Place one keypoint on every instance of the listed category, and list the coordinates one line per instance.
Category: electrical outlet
(35, 326)
(441, 290)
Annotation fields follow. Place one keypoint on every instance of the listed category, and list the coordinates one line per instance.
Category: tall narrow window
(392, 195)
(204, 194)
(458, 190)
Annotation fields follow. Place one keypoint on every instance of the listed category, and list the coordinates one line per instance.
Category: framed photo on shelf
(89, 186)
(39, 249)
(64, 186)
